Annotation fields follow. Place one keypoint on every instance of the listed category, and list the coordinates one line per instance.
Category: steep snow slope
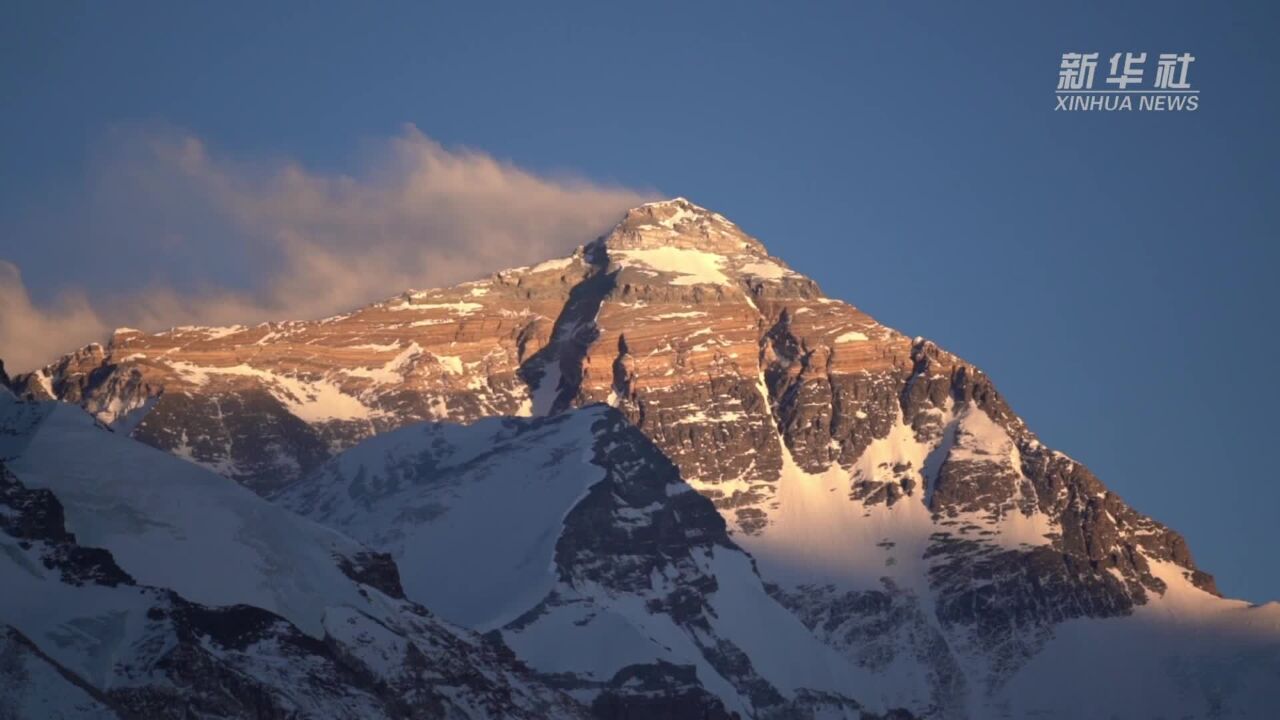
(473, 523)
(168, 522)
(77, 620)
(31, 686)
(179, 593)
(576, 538)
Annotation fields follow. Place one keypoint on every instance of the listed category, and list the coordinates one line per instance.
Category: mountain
(883, 494)
(180, 594)
(576, 538)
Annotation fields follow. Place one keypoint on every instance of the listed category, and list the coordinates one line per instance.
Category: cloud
(29, 333)
(185, 236)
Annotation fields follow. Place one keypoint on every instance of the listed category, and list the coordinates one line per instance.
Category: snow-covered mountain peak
(678, 223)
(676, 206)
(675, 242)
(890, 499)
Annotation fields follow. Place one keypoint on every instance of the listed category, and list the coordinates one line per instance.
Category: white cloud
(294, 243)
(29, 333)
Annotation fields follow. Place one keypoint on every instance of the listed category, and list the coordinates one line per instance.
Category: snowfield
(174, 524)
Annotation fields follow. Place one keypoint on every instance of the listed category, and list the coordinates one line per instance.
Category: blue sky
(1112, 272)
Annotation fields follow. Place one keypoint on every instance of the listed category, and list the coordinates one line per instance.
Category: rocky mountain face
(874, 489)
(264, 404)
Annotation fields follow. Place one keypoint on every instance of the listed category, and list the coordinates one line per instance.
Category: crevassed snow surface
(173, 524)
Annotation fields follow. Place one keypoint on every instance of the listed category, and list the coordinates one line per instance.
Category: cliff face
(263, 404)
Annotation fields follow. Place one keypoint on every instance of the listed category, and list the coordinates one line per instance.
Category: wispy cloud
(284, 242)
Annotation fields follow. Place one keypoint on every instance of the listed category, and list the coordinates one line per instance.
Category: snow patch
(451, 363)
(765, 270)
(692, 267)
(679, 315)
(549, 265)
(393, 370)
(461, 307)
(309, 400)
